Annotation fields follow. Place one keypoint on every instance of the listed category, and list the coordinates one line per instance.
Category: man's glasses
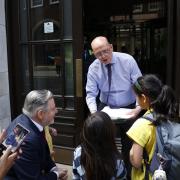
(104, 52)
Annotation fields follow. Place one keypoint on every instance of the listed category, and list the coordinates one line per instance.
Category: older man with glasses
(111, 76)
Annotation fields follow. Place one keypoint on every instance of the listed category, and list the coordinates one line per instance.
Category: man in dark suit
(35, 162)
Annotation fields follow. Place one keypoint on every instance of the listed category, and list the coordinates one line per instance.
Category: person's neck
(37, 123)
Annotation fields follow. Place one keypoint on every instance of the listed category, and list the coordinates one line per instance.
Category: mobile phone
(16, 137)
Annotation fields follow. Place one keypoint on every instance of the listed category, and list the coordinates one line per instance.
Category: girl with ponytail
(158, 99)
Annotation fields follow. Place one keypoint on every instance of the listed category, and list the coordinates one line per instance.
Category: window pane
(25, 74)
(36, 3)
(23, 21)
(68, 19)
(47, 67)
(45, 22)
(69, 69)
(53, 1)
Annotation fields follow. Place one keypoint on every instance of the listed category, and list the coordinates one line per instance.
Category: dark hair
(99, 152)
(162, 98)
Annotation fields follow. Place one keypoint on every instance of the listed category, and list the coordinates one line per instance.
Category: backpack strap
(159, 144)
(159, 137)
(149, 117)
(146, 159)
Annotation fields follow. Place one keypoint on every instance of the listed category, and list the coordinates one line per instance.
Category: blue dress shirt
(125, 72)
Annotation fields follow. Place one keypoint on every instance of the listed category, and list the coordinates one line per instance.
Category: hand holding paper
(121, 113)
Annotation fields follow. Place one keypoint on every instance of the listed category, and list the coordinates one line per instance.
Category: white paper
(115, 114)
(48, 27)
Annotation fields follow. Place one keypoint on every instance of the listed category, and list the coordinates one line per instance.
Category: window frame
(35, 6)
(138, 8)
(153, 6)
(53, 2)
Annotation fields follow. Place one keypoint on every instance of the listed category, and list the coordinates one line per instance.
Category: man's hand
(6, 161)
(63, 175)
(134, 112)
(52, 131)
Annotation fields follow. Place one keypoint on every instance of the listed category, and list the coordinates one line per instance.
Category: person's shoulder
(142, 121)
(22, 119)
(95, 63)
(141, 124)
(77, 155)
(77, 151)
(17, 120)
(94, 67)
(122, 56)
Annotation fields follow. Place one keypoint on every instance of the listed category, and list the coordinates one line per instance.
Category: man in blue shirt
(114, 83)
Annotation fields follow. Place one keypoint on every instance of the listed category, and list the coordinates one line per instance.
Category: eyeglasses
(104, 52)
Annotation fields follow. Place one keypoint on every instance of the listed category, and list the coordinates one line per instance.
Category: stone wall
(5, 115)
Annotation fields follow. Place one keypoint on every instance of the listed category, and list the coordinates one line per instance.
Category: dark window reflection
(47, 67)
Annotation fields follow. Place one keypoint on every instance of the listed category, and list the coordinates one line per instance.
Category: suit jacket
(35, 162)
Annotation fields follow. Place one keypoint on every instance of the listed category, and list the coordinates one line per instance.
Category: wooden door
(45, 50)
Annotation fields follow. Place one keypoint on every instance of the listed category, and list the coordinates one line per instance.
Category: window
(54, 1)
(153, 6)
(137, 8)
(36, 3)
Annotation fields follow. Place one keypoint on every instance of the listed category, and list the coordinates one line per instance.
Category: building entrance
(47, 43)
(136, 27)
(45, 52)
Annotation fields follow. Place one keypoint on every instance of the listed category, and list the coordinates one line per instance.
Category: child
(97, 156)
(155, 97)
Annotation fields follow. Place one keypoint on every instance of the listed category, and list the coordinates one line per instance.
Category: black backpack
(167, 150)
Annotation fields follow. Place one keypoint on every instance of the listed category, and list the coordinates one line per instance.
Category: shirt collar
(113, 59)
(37, 125)
(149, 111)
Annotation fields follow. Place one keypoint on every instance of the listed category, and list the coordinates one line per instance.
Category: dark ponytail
(162, 98)
(166, 106)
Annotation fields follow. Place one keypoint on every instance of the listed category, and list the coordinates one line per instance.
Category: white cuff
(55, 170)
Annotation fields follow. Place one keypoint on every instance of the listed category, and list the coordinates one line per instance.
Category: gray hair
(36, 100)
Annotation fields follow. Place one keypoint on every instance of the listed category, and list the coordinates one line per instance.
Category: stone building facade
(5, 113)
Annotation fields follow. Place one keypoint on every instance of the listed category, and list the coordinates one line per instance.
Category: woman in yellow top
(155, 97)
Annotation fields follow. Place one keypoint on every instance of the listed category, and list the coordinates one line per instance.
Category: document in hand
(115, 114)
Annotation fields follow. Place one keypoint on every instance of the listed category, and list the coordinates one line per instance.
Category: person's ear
(111, 46)
(145, 99)
(40, 114)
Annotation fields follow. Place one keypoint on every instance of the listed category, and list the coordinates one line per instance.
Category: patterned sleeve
(121, 170)
(78, 172)
(75, 175)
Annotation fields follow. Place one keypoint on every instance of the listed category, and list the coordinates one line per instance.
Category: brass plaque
(79, 74)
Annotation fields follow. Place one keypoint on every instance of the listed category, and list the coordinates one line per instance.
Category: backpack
(167, 150)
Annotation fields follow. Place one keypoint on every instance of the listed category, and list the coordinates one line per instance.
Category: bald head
(102, 49)
(99, 42)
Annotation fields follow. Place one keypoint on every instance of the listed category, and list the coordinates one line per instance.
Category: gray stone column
(5, 115)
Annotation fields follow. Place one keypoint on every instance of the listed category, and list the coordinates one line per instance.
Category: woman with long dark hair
(97, 157)
(159, 100)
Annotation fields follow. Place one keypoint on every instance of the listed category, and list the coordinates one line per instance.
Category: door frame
(70, 121)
